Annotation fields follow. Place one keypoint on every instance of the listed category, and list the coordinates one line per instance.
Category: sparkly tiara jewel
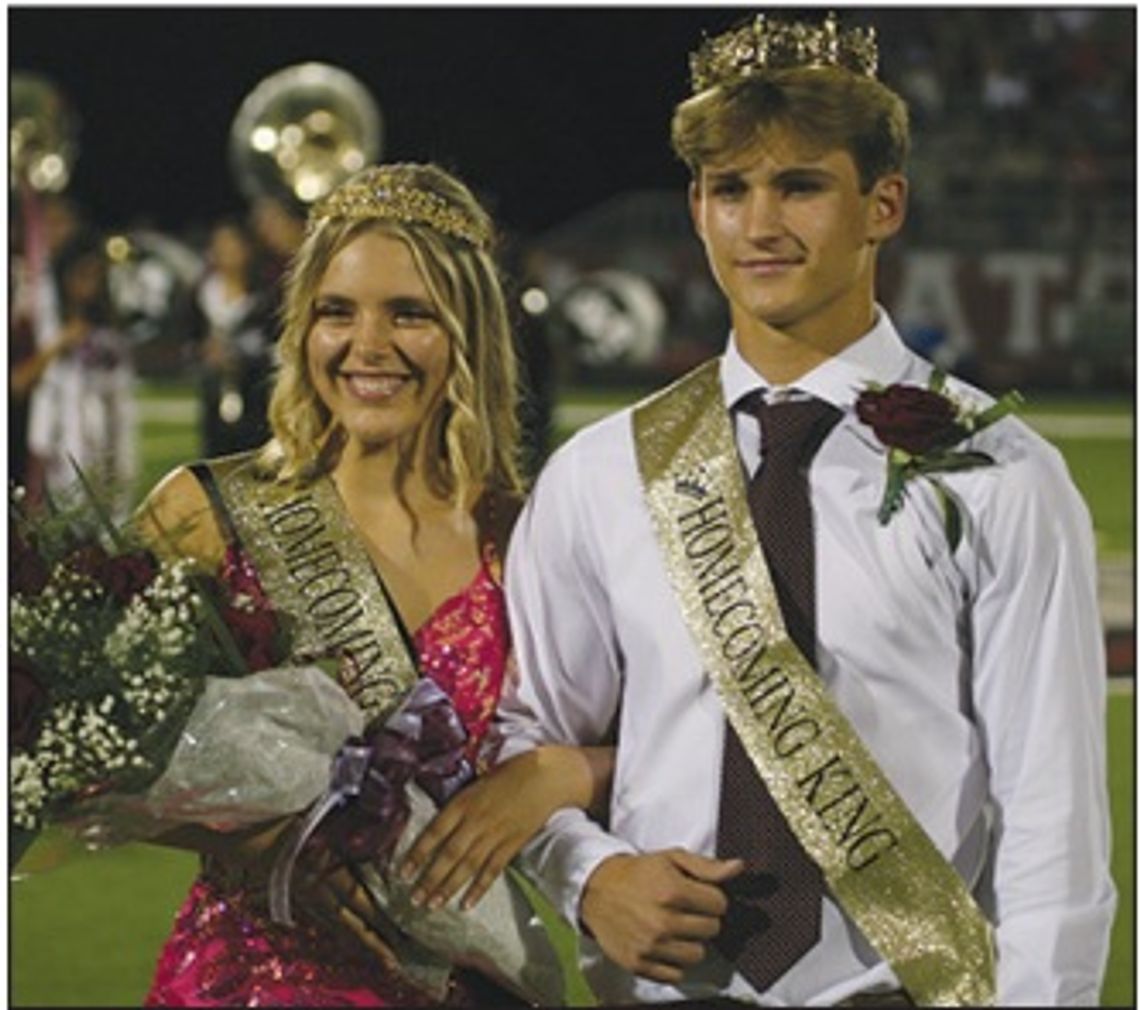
(766, 44)
(389, 191)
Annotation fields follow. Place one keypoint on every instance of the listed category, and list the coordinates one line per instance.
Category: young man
(839, 618)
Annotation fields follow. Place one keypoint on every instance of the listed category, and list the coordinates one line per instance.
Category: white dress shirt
(976, 679)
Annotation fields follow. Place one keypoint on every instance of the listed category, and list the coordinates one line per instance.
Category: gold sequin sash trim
(879, 863)
(315, 569)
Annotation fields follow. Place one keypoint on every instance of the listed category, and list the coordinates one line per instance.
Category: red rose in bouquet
(114, 674)
(28, 572)
(27, 701)
(256, 634)
(87, 559)
(123, 576)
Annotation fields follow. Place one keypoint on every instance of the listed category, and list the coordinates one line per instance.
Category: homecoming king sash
(879, 863)
(312, 564)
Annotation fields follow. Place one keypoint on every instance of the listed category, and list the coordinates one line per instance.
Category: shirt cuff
(564, 854)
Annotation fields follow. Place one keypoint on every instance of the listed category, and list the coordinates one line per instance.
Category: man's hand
(653, 914)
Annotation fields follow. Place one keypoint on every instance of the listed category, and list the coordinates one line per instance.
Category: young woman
(82, 409)
(233, 327)
(384, 500)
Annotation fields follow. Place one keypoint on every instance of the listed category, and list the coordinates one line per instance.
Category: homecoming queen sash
(879, 863)
(314, 568)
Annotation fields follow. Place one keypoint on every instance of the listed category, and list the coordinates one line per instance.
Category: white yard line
(173, 410)
(1115, 588)
(168, 410)
(1082, 425)
(1079, 426)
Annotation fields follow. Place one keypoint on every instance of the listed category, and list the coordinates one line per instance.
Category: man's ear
(887, 210)
(696, 206)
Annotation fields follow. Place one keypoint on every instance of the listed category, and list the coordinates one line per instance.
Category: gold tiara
(390, 192)
(765, 44)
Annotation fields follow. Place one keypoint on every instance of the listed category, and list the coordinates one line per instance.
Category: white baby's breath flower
(150, 651)
(27, 794)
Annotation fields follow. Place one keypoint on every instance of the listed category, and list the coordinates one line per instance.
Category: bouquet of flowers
(108, 651)
(144, 694)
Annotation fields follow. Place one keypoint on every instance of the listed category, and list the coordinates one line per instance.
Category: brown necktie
(775, 905)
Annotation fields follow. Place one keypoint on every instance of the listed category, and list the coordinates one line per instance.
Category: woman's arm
(483, 827)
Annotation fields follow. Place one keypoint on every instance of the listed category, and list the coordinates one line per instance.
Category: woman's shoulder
(178, 519)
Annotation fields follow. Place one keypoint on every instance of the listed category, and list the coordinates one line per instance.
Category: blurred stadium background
(1016, 268)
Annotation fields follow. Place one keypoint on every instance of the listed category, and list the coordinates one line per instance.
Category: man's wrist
(594, 887)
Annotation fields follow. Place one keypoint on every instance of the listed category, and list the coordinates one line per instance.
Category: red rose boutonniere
(920, 428)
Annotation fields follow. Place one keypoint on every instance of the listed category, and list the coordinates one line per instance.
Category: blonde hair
(474, 425)
(829, 107)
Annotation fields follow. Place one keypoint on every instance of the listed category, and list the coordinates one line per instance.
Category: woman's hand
(481, 829)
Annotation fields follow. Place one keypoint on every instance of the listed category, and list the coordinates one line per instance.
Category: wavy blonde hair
(474, 424)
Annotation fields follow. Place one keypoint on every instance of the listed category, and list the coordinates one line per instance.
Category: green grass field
(85, 928)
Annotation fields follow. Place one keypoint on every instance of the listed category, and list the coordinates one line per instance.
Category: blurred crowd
(1024, 123)
(73, 340)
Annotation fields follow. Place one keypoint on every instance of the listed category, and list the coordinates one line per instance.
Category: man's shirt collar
(877, 356)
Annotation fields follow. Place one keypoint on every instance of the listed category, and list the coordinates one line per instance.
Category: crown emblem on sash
(695, 484)
(767, 44)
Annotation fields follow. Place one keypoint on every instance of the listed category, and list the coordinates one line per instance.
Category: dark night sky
(545, 111)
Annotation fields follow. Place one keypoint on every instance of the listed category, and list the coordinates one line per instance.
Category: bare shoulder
(177, 520)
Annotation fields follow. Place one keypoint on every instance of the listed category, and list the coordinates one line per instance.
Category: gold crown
(390, 192)
(765, 44)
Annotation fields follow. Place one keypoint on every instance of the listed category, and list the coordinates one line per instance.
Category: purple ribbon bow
(423, 741)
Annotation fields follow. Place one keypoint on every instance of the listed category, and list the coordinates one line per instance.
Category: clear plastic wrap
(262, 746)
(254, 748)
(502, 936)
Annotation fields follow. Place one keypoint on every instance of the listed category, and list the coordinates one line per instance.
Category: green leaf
(1006, 405)
(53, 508)
(893, 491)
(19, 841)
(951, 516)
(577, 991)
(937, 380)
(949, 462)
(233, 658)
(98, 507)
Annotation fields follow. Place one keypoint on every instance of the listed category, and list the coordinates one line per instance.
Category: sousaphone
(42, 134)
(302, 131)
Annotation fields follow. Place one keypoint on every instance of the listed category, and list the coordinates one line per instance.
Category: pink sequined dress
(225, 951)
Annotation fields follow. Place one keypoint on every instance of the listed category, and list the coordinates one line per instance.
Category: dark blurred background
(1016, 266)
